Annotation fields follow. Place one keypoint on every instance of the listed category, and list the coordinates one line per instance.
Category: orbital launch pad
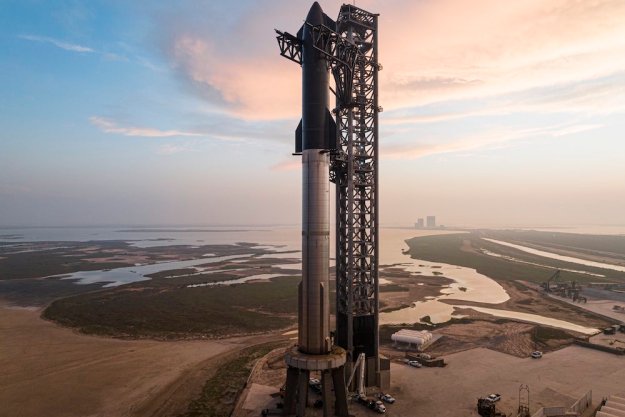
(339, 146)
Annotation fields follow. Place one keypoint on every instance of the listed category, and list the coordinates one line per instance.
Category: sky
(496, 113)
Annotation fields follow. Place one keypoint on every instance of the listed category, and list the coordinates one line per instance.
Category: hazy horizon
(573, 228)
(153, 113)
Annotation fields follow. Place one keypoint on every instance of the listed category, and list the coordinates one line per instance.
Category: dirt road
(51, 370)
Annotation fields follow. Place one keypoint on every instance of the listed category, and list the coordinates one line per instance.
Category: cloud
(14, 189)
(442, 117)
(571, 130)
(435, 82)
(105, 55)
(172, 148)
(58, 43)
(490, 139)
(600, 96)
(109, 126)
(249, 87)
(509, 48)
(432, 51)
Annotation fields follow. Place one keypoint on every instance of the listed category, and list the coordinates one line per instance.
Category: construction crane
(359, 365)
(524, 401)
(547, 284)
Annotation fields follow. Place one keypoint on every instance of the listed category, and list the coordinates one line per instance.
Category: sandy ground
(48, 370)
(558, 379)
(511, 338)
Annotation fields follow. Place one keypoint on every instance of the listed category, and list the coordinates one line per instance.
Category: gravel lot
(558, 379)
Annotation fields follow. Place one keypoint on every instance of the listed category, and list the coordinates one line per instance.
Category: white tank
(414, 337)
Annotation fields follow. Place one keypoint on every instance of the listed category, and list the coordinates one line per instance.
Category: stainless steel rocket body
(314, 333)
(314, 301)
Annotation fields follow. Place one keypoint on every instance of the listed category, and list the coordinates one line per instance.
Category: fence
(582, 404)
(616, 351)
(575, 410)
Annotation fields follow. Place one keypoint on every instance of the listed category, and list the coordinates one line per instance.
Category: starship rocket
(315, 137)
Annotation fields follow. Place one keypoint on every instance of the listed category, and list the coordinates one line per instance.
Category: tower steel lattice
(354, 170)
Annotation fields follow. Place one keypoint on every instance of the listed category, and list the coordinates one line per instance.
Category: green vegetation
(392, 288)
(41, 259)
(46, 263)
(544, 334)
(591, 244)
(172, 273)
(165, 308)
(221, 391)
(391, 309)
(230, 267)
(463, 249)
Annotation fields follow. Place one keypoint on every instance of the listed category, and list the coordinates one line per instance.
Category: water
(285, 237)
(513, 259)
(582, 230)
(476, 287)
(287, 241)
(563, 258)
(437, 311)
(18, 249)
(120, 276)
(479, 288)
(258, 277)
(533, 318)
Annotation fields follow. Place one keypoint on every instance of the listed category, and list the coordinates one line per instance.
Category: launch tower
(355, 173)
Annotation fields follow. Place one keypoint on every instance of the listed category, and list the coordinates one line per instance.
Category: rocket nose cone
(315, 14)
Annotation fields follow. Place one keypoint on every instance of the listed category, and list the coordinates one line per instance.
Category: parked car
(494, 397)
(387, 398)
(416, 364)
(379, 407)
(313, 381)
(537, 354)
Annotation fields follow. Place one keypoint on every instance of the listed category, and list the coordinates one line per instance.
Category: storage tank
(419, 339)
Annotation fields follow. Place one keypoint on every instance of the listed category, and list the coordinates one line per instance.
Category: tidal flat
(202, 292)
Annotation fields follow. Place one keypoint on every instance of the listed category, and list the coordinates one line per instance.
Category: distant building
(430, 222)
(419, 224)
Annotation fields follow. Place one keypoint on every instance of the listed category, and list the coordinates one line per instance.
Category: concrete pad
(614, 404)
(617, 399)
(556, 380)
(604, 414)
(607, 409)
